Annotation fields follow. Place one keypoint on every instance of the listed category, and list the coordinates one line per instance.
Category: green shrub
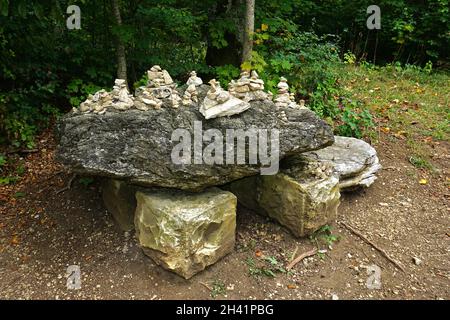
(226, 73)
(307, 60)
(311, 65)
(353, 119)
(77, 91)
(22, 113)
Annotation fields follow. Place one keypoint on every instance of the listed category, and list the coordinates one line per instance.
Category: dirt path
(42, 233)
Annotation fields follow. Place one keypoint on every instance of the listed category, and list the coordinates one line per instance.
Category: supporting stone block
(186, 232)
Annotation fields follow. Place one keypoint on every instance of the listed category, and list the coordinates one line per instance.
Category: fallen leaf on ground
(423, 181)
(15, 240)
(291, 286)
(400, 134)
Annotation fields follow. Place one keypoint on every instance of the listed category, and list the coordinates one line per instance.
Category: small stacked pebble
(248, 88)
(160, 88)
(119, 99)
(95, 103)
(216, 94)
(283, 98)
(190, 95)
(193, 79)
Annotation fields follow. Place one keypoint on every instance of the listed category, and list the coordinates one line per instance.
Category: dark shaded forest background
(46, 69)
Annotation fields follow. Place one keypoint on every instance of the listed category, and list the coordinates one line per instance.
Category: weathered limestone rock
(136, 146)
(354, 160)
(220, 103)
(120, 201)
(302, 197)
(186, 232)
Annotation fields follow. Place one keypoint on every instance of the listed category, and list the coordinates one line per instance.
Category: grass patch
(267, 266)
(218, 288)
(419, 162)
(408, 103)
(406, 99)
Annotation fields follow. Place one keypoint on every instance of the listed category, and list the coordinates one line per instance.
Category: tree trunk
(249, 30)
(120, 49)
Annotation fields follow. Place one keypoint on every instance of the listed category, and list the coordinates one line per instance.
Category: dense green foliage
(46, 69)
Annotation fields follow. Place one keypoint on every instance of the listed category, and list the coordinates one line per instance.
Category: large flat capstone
(136, 146)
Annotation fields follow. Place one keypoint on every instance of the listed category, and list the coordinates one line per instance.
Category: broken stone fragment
(120, 202)
(354, 160)
(186, 232)
(302, 197)
(241, 88)
(220, 103)
(85, 106)
(167, 78)
(154, 73)
(212, 109)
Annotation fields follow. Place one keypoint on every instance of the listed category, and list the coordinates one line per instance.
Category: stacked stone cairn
(118, 99)
(160, 90)
(248, 87)
(190, 96)
(184, 215)
(219, 102)
(285, 99)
